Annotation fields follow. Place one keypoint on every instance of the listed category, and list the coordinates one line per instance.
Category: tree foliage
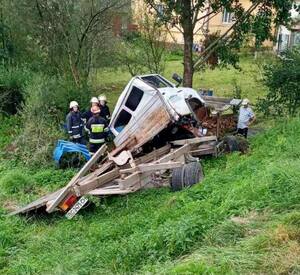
(191, 17)
(65, 37)
(144, 50)
(283, 81)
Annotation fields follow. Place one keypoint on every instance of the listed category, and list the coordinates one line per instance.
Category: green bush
(282, 78)
(43, 115)
(12, 89)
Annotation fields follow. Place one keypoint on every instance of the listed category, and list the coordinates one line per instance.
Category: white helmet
(245, 101)
(73, 104)
(102, 97)
(94, 100)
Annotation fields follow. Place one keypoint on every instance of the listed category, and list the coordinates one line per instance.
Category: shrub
(42, 116)
(282, 79)
(12, 86)
(144, 51)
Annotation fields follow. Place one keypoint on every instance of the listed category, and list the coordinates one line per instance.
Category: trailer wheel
(177, 181)
(186, 176)
(193, 173)
(231, 144)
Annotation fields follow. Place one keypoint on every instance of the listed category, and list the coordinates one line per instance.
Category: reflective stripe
(76, 136)
(97, 128)
(92, 140)
(106, 129)
(78, 126)
(86, 129)
(70, 132)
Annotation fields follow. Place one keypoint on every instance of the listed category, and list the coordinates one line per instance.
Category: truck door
(141, 115)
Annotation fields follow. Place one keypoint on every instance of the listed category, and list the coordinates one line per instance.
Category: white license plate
(76, 207)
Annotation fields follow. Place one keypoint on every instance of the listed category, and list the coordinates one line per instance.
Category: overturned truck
(160, 131)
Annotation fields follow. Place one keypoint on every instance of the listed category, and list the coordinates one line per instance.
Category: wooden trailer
(149, 107)
(175, 165)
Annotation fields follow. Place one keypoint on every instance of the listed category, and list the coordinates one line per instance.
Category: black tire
(231, 144)
(186, 176)
(193, 173)
(243, 144)
(177, 181)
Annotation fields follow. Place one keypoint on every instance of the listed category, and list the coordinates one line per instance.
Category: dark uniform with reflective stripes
(75, 127)
(87, 115)
(97, 128)
(105, 113)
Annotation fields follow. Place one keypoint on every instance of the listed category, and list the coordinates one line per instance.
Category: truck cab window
(134, 98)
(122, 120)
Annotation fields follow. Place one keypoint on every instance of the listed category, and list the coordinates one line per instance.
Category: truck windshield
(157, 81)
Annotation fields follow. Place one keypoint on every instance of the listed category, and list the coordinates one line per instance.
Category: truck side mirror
(177, 78)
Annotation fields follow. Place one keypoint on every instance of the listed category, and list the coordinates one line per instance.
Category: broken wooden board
(203, 151)
(152, 167)
(96, 182)
(135, 181)
(41, 202)
(194, 140)
(154, 155)
(106, 192)
(51, 207)
(175, 154)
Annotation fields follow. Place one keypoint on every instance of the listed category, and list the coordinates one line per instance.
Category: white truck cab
(148, 105)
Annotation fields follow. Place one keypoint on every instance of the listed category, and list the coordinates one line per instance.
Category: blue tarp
(63, 146)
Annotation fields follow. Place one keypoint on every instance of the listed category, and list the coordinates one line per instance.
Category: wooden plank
(158, 153)
(37, 203)
(152, 167)
(206, 151)
(175, 154)
(123, 146)
(51, 207)
(104, 192)
(129, 181)
(96, 173)
(217, 99)
(96, 182)
(194, 140)
(135, 181)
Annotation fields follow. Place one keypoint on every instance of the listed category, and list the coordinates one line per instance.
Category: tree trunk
(188, 36)
(188, 58)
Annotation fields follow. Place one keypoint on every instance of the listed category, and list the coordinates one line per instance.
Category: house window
(134, 98)
(227, 17)
(124, 22)
(122, 120)
(160, 9)
(296, 41)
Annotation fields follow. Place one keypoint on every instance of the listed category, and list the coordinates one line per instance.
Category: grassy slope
(152, 230)
(134, 233)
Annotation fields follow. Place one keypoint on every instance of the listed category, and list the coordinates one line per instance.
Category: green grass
(242, 219)
(113, 81)
(152, 230)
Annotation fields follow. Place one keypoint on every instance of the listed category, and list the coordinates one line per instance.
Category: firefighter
(246, 117)
(87, 115)
(105, 113)
(97, 128)
(75, 124)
